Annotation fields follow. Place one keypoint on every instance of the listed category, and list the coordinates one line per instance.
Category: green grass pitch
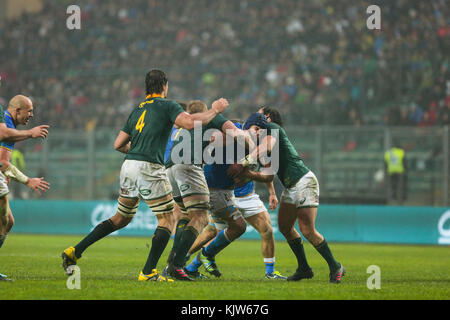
(109, 271)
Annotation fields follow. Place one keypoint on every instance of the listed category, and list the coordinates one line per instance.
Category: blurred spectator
(313, 59)
(397, 173)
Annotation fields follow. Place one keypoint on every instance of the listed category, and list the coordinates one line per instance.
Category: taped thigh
(161, 207)
(127, 211)
(196, 205)
(180, 204)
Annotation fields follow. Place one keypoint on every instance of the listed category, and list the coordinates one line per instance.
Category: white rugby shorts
(305, 194)
(142, 179)
(250, 205)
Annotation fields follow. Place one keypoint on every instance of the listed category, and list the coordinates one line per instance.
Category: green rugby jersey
(2, 114)
(216, 123)
(291, 167)
(149, 127)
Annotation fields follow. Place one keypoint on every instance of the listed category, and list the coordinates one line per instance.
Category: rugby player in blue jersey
(19, 112)
(229, 222)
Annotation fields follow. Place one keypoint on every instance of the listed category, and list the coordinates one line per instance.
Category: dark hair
(274, 115)
(155, 81)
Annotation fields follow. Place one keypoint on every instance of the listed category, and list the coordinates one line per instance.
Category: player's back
(149, 127)
(291, 166)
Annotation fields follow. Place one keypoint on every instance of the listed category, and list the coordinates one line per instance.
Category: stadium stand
(315, 60)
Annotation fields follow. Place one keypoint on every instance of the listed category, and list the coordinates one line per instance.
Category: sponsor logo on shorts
(145, 192)
(184, 187)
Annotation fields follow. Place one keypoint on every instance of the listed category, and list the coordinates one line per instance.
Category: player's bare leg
(176, 216)
(207, 235)
(287, 217)
(127, 208)
(196, 207)
(261, 222)
(180, 223)
(236, 227)
(306, 220)
(4, 219)
(203, 240)
(160, 239)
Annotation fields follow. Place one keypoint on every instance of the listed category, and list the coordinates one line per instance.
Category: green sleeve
(127, 127)
(217, 122)
(174, 111)
(2, 114)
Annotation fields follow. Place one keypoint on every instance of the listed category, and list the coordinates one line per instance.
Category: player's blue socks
(194, 265)
(219, 243)
(270, 265)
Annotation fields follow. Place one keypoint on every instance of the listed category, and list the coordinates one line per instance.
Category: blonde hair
(196, 106)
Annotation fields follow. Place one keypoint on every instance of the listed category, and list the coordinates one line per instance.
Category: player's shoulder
(273, 125)
(217, 122)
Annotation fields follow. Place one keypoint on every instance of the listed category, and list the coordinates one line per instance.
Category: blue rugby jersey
(10, 124)
(173, 135)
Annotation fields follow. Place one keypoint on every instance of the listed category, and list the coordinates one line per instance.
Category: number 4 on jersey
(141, 124)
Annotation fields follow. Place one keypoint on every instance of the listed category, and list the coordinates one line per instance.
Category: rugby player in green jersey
(300, 199)
(143, 175)
(189, 185)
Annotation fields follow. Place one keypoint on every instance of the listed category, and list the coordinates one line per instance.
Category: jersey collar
(155, 95)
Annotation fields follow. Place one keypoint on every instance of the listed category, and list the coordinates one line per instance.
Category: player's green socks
(100, 231)
(299, 252)
(325, 252)
(187, 239)
(159, 243)
(182, 223)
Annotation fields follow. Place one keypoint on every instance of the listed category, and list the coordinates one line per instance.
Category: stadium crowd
(315, 60)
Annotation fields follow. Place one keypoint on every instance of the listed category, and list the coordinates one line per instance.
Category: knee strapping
(165, 206)
(127, 211)
(196, 206)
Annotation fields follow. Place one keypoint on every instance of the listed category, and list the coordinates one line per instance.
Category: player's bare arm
(13, 135)
(10, 171)
(273, 199)
(265, 147)
(232, 131)
(36, 184)
(243, 175)
(259, 176)
(122, 143)
(186, 120)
